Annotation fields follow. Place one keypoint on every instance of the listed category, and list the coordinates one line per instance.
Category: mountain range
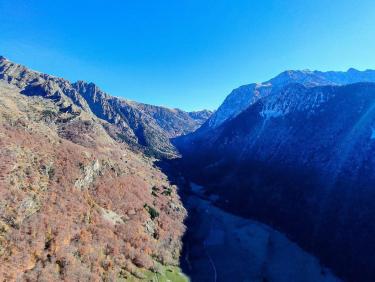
(242, 97)
(297, 152)
(90, 184)
(145, 126)
(81, 198)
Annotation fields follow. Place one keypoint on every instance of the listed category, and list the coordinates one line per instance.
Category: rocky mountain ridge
(241, 98)
(145, 126)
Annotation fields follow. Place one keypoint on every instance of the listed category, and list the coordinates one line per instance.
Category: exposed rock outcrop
(145, 127)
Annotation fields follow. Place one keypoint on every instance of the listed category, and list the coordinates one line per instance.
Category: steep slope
(302, 160)
(173, 122)
(242, 97)
(145, 126)
(76, 204)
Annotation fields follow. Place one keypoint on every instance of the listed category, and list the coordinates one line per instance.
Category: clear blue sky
(188, 54)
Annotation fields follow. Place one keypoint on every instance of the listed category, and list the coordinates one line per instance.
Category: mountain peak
(301, 76)
(351, 70)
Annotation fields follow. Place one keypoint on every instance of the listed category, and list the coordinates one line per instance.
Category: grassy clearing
(166, 274)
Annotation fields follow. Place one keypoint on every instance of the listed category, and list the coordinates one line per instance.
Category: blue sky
(188, 54)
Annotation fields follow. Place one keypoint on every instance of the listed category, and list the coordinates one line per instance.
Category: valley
(298, 157)
(99, 188)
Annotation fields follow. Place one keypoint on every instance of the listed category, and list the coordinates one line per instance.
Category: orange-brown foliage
(52, 228)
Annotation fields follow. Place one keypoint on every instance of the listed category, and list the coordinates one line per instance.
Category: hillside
(302, 160)
(77, 204)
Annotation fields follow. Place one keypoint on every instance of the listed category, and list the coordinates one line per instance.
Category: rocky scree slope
(146, 127)
(303, 160)
(75, 203)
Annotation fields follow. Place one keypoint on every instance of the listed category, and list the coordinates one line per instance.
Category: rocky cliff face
(77, 203)
(300, 159)
(147, 127)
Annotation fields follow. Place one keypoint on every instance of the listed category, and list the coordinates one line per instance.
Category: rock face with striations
(76, 202)
(300, 158)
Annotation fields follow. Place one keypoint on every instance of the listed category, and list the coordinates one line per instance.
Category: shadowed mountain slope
(301, 159)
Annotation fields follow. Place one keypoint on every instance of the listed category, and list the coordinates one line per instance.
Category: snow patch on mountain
(293, 98)
(243, 97)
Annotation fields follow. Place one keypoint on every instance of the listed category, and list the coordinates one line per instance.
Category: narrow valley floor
(219, 246)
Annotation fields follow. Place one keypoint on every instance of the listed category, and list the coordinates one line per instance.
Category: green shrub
(152, 211)
(167, 192)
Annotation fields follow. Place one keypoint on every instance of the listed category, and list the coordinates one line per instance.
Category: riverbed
(220, 246)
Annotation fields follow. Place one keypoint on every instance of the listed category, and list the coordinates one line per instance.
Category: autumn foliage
(74, 202)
